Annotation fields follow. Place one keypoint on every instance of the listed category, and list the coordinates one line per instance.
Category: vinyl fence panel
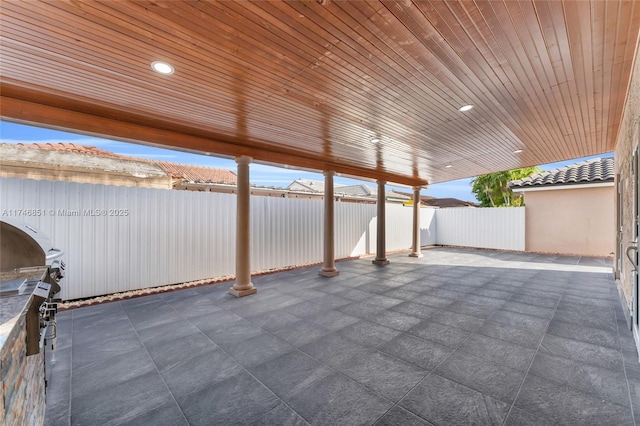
(120, 238)
(125, 238)
(428, 227)
(494, 228)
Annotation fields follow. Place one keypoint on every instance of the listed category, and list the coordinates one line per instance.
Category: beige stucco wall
(571, 221)
(625, 144)
(77, 174)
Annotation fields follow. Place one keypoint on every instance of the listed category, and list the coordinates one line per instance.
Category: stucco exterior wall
(77, 174)
(571, 221)
(625, 144)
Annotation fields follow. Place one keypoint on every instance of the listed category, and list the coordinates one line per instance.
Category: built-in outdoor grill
(30, 272)
(30, 267)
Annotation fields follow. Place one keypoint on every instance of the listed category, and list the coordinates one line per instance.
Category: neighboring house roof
(447, 202)
(308, 185)
(70, 147)
(74, 156)
(177, 171)
(197, 174)
(358, 190)
(428, 200)
(600, 170)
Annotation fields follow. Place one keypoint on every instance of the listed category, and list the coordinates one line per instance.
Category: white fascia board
(556, 187)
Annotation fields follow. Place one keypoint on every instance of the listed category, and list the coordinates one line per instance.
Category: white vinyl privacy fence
(125, 238)
(492, 228)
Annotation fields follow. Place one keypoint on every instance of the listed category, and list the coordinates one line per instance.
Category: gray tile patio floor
(459, 337)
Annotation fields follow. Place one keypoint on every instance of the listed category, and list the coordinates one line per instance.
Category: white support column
(329, 265)
(243, 285)
(381, 251)
(415, 246)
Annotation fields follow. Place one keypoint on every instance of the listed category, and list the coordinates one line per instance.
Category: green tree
(492, 190)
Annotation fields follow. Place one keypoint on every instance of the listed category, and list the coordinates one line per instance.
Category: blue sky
(260, 174)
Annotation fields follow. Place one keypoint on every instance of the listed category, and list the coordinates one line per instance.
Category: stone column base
(380, 262)
(242, 293)
(329, 272)
(416, 255)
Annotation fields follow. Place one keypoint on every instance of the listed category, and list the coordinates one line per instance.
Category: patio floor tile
(518, 417)
(167, 415)
(444, 402)
(395, 320)
(472, 309)
(399, 416)
(167, 354)
(567, 406)
(132, 397)
(495, 380)
(589, 317)
(458, 337)
(337, 400)
(333, 320)
(529, 323)
(458, 320)
(290, 373)
(584, 352)
(511, 334)
(602, 382)
(585, 334)
(544, 302)
(369, 334)
(197, 373)
(385, 375)
(239, 399)
(282, 415)
(415, 309)
(334, 350)
(300, 333)
(440, 333)
(423, 353)
(509, 354)
(258, 349)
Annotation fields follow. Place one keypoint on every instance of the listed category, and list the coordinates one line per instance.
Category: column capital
(417, 188)
(243, 160)
(329, 173)
(381, 181)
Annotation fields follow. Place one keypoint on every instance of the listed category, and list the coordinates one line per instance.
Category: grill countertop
(14, 305)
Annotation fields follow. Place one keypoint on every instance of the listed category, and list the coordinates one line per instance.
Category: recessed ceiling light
(465, 108)
(162, 67)
(375, 140)
(448, 166)
(518, 151)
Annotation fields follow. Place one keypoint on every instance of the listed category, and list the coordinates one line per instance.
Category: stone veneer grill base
(23, 393)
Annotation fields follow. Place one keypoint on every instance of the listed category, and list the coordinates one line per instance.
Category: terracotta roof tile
(71, 147)
(197, 174)
(591, 171)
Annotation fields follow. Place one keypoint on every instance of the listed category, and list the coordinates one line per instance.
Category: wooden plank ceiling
(310, 84)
